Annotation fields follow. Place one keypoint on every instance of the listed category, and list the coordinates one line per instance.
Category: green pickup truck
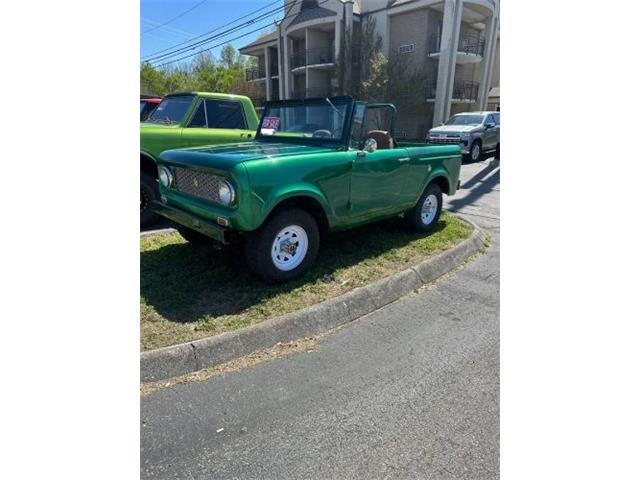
(189, 120)
(315, 165)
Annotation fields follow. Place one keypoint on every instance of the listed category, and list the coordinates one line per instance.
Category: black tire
(259, 244)
(414, 219)
(475, 154)
(193, 237)
(148, 193)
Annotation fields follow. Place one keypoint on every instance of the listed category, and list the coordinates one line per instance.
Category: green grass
(188, 292)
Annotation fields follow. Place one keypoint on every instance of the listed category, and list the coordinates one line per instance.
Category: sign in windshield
(322, 119)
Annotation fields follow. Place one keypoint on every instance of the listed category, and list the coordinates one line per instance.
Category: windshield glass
(171, 110)
(142, 104)
(319, 118)
(465, 120)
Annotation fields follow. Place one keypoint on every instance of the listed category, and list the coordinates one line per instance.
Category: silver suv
(476, 132)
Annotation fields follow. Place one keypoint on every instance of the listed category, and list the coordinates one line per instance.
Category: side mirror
(370, 145)
(490, 125)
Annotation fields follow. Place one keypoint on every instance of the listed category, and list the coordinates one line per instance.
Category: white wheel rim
(476, 152)
(429, 209)
(289, 248)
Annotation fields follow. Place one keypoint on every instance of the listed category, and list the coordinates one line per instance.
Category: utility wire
(226, 41)
(174, 18)
(152, 55)
(214, 37)
(210, 48)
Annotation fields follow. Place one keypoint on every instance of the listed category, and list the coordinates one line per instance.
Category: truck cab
(189, 120)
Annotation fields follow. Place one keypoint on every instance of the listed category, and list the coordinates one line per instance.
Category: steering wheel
(322, 134)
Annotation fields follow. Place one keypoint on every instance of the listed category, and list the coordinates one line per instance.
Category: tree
(152, 81)
(360, 48)
(229, 57)
(204, 73)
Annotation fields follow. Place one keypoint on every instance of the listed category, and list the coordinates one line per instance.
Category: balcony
(316, 92)
(314, 57)
(273, 68)
(255, 73)
(470, 48)
(463, 91)
(258, 102)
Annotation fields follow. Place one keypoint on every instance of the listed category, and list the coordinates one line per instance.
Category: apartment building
(454, 42)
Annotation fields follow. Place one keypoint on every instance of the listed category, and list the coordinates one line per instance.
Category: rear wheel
(148, 193)
(284, 248)
(425, 215)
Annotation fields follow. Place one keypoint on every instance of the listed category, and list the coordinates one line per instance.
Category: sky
(203, 18)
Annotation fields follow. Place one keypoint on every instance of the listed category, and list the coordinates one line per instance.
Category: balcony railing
(255, 73)
(469, 44)
(463, 90)
(312, 56)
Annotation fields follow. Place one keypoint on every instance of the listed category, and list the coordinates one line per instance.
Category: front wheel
(284, 248)
(475, 151)
(425, 215)
(148, 193)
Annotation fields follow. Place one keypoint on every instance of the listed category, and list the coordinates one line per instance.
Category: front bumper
(206, 227)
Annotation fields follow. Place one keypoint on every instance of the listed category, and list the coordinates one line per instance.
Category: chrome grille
(445, 140)
(198, 184)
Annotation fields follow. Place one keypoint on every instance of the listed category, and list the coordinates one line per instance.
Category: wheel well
(308, 204)
(442, 183)
(477, 140)
(148, 165)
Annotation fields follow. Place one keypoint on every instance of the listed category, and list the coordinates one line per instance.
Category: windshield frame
(336, 142)
(187, 112)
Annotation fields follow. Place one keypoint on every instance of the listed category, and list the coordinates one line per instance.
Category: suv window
(199, 120)
(224, 114)
(496, 117)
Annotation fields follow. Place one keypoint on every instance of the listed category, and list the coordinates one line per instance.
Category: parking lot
(401, 392)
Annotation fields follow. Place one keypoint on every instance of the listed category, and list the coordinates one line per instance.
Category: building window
(409, 48)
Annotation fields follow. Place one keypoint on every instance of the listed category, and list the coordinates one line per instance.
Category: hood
(226, 156)
(454, 128)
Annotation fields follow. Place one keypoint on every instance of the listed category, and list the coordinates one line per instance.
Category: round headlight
(165, 177)
(226, 193)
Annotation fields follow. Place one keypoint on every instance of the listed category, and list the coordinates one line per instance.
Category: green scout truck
(189, 120)
(314, 166)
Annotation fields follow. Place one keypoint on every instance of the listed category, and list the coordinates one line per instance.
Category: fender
(263, 207)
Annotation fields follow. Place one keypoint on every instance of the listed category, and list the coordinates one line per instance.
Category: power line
(227, 41)
(207, 49)
(213, 37)
(174, 18)
(152, 55)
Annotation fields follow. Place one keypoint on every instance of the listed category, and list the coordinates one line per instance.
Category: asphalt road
(409, 391)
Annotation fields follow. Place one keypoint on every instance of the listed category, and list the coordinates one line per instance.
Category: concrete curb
(180, 359)
(157, 232)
